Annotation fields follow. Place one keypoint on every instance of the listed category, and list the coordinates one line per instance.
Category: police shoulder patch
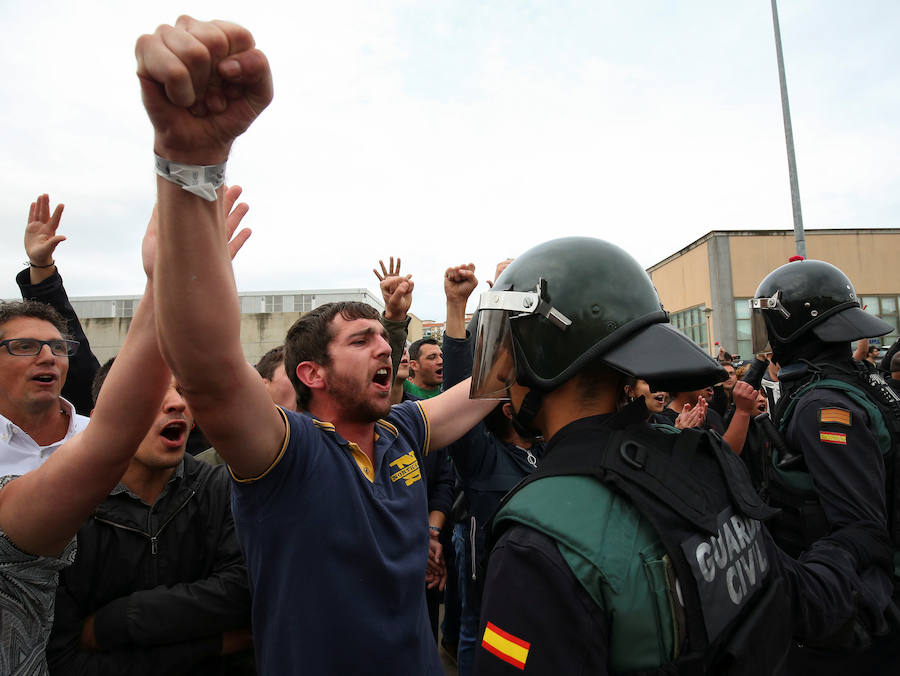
(833, 438)
(840, 416)
(506, 646)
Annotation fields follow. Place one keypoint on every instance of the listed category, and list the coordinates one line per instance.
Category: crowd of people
(578, 484)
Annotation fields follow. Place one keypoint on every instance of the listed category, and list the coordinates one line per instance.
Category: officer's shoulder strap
(657, 463)
(857, 393)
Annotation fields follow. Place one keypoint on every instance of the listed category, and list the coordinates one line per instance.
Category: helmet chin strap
(522, 419)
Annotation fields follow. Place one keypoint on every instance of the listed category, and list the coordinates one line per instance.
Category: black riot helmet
(806, 296)
(569, 301)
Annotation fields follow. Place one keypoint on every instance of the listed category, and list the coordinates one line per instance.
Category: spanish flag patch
(841, 416)
(504, 645)
(833, 437)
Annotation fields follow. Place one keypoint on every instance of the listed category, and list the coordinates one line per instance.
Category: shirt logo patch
(408, 469)
(835, 415)
(833, 438)
(504, 645)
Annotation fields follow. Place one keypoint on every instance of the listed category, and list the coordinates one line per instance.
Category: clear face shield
(494, 370)
(758, 331)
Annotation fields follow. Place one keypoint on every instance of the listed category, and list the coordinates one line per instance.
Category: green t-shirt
(416, 391)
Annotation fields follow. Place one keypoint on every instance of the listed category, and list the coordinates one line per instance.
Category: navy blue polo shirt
(336, 551)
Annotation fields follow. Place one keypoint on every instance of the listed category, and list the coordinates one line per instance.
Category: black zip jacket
(163, 582)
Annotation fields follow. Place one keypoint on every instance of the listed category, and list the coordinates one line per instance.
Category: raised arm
(459, 283)
(203, 84)
(744, 405)
(42, 281)
(451, 413)
(42, 510)
(396, 290)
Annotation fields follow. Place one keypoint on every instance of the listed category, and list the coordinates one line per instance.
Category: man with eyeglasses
(35, 419)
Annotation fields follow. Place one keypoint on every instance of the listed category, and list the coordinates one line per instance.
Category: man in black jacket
(159, 585)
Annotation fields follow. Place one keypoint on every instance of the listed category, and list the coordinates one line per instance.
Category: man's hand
(395, 290)
(234, 217)
(436, 570)
(744, 397)
(459, 283)
(40, 236)
(203, 84)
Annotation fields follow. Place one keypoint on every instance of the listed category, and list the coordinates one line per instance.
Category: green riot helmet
(569, 301)
(809, 296)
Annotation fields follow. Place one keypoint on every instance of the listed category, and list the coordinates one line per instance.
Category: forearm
(456, 320)
(186, 611)
(437, 519)
(736, 434)
(451, 414)
(397, 331)
(83, 471)
(458, 358)
(196, 292)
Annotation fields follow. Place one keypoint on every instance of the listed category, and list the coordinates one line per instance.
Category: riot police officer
(631, 548)
(840, 422)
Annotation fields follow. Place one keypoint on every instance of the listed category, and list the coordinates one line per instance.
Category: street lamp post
(799, 237)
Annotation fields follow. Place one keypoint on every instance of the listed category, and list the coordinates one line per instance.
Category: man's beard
(356, 406)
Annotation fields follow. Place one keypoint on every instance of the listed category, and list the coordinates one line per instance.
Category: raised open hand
(232, 221)
(203, 83)
(40, 232)
(396, 290)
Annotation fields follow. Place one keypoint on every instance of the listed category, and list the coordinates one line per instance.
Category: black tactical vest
(802, 520)
(697, 495)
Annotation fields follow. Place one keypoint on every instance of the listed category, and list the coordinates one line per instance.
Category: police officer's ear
(507, 409)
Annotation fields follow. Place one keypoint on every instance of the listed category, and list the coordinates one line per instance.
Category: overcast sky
(450, 132)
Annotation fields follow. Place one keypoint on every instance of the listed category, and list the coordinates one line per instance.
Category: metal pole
(799, 237)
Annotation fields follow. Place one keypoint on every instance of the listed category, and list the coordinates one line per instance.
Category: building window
(692, 323)
(302, 303)
(742, 320)
(273, 304)
(123, 307)
(886, 308)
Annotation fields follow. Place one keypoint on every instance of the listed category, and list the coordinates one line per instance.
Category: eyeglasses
(29, 347)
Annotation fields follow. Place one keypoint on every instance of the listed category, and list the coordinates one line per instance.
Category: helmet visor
(495, 367)
(759, 334)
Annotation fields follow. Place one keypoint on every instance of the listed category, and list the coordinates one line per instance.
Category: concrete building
(266, 317)
(705, 285)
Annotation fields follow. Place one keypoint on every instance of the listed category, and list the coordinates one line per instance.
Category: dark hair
(270, 361)
(34, 309)
(595, 376)
(99, 379)
(497, 423)
(309, 337)
(895, 362)
(417, 346)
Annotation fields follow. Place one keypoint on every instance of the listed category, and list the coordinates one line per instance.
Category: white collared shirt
(19, 453)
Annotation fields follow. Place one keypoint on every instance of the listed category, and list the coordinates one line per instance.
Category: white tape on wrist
(196, 179)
